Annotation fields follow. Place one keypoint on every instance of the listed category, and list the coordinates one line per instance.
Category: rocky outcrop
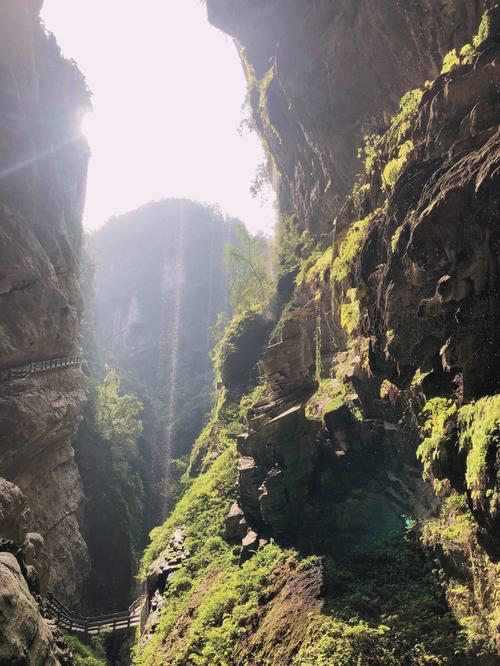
(27, 638)
(42, 183)
(276, 464)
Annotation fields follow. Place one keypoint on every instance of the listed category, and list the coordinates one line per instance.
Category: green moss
(450, 61)
(385, 608)
(350, 312)
(473, 598)
(466, 54)
(419, 377)
(330, 395)
(453, 530)
(315, 266)
(349, 249)
(395, 239)
(249, 399)
(369, 153)
(288, 241)
(225, 614)
(317, 337)
(388, 390)
(483, 31)
(404, 119)
(263, 86)
(476, 430)
(393, 168)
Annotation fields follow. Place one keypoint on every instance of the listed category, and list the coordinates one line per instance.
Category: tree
(250, 271)
(117, 416)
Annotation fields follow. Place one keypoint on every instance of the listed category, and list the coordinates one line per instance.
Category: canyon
(325, 490)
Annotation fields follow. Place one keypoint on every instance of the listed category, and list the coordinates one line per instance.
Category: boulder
(236, 525)
(276, 468)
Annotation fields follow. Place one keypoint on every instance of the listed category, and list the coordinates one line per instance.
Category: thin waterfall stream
(173, 276)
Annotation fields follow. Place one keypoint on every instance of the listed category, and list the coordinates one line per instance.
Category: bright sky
(167, 94)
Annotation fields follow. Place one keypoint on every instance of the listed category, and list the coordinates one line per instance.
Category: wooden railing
(74, 622)
(36, 367)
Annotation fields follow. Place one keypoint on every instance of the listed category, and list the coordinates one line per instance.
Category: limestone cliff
(43, 167)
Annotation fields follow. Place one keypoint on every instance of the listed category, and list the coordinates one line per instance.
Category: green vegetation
(403, 121)
(395, 239)
(349, 248)
(263, 86)
(453, 530)
(473, 429)
(287, 244)
(117, 416)
(316, 266)
(317, 337)
(450, 61)
(393, 167)
(466, 54)
(117, 422)
(394, 143)
(479, 433)
(85, 655)
(385, 608)
(370, 152)
(440, 413)
(419, 377)
(350, 312)
(329, 641)
(201, 510)
(249, 263)
(473, 599)
(331, 395)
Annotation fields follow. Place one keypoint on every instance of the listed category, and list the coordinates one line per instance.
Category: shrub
(439, 412)
(479, 432)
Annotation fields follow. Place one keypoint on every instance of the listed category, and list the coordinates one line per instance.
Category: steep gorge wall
(368, 450)
(42, 185)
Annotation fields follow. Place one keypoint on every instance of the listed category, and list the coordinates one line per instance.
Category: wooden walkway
(35, 367)
(114, 622)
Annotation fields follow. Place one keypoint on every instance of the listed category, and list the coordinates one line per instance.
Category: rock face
(42, 183)
(26, 637)
(277, 462)
(418, 293)
(338, 70)
(398, 249)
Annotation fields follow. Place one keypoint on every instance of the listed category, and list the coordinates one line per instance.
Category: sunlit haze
(167, 95)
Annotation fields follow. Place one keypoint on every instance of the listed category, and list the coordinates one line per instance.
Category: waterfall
(173, 274)
(210, 299)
